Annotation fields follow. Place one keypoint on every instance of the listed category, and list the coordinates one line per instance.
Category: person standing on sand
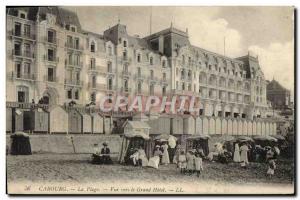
(190, 158)
(244, 155)
(198, 164)
(165, 156)
(236, 155)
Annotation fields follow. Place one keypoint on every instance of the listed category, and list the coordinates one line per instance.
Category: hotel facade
(50, 59)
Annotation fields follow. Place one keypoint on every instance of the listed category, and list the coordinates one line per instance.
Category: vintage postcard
(156, 100)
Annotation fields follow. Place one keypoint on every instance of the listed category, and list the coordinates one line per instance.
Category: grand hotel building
(50, 57)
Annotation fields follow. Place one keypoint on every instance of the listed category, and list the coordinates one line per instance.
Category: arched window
(93, 47)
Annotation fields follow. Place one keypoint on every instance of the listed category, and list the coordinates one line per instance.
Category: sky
(267, 32)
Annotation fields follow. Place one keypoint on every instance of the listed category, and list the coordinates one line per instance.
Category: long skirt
(154, 162)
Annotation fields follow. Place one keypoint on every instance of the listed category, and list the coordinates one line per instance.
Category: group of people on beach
(190, 161)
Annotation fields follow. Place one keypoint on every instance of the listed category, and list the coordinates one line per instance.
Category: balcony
(50, 78)
(73, 64)
(23, 35)
(53, 59)
(96, 86)
(73, 82)
(153, 79)
(51, 40)
(74, 47)
(22, 54)
(126, 90)
(126, 73)
(19, 76)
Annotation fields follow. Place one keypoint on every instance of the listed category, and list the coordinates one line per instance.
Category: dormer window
(73, 29)
(67, 27)
(23, 15)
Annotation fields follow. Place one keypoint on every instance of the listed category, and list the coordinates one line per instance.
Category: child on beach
(198, 164)
(271, 168)
(182, 162)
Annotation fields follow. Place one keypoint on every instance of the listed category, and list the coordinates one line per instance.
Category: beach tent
(8, 120)
(136, 134)
(58, 120)
(36, 120)
(20, 144)
(192, 142)
(97, 123)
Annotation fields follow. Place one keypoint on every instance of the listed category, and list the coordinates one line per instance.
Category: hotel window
(50, 75)
(183, 59)
(17, 31)
(109, 67)
(18, 69)
(51, 36)
(151, 74)
(125, 85)
(110, 84)
(163, 63)
(164, 90)
(73, 29)
(76, 43)
(94, 81)
(77, 60)
(190, 87)
(139, 72)
(93, 46)
(27, 69)
(151, 89)
(139, 58)
(27, 30)
(151, 60)
(50, 55)
(69, 94)
(125, 55)
(139, 87)
(164, 76)
(183, 86)
(76, 94)
(125, 43)
(69, 41)
(93, 63)
(22, 15)
(93, 97)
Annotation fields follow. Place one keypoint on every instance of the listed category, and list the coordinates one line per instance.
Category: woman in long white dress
(244, 155)
(236, 155)
(154, 161)
(165, 156)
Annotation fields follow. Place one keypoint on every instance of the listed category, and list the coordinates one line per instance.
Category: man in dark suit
(105, 154)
